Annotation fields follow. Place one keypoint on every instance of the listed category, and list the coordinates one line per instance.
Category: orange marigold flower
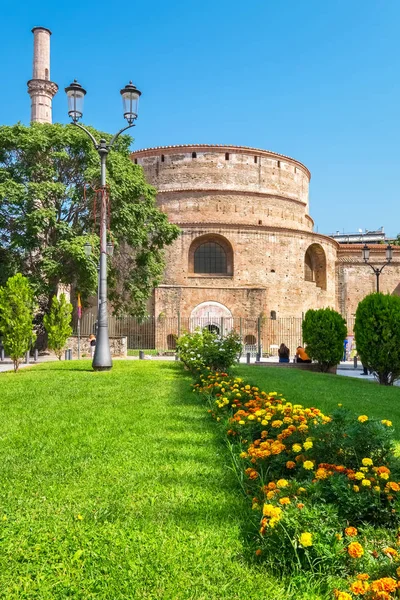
(390, 551)
(271, 485)
(300, 505)
(351, 531)
(321, 473)
(258, 551)
(363, 576)
(395, 487)
(251, 473)
(385, 584)
(355, 550)
(290, 464)
(359, 587)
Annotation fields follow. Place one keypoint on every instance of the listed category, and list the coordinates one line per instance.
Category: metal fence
(258, 335)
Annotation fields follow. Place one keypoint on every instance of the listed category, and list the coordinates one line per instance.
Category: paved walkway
(7, 364)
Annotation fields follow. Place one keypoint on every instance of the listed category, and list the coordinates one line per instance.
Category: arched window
(211, 255)
(250, 340)
(315, 266)
(213, 328)
(273, 315)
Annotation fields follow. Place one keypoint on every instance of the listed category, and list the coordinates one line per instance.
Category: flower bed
(325, 491)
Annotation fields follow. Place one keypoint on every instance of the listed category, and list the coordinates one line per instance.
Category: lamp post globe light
(130, 97)
(365, 255)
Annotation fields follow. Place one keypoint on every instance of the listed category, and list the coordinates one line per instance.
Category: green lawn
(118, 485)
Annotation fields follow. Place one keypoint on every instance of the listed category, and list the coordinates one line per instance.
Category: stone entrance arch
(213, 315)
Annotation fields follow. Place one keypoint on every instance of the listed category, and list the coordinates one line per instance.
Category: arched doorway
(214, 316)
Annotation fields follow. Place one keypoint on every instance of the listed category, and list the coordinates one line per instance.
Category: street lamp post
(130, 97)
(377, 270)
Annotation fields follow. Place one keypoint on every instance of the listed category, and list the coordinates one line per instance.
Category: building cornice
(218, 148)
(226, 191)
(38, 86)
(256, 229)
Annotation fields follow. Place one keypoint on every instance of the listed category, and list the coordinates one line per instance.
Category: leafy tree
(377, 333)
(58, 324)
(47, 213)
(324, 331)
(16, 315)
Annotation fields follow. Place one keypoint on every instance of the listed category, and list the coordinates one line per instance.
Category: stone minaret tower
(40, 88)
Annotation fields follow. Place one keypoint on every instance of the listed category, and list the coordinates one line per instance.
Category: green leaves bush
(324, 331)
(16, 316)
(377, 332)
(58, 324)
(203, 348)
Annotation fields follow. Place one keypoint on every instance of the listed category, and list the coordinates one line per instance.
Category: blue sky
(316, 80)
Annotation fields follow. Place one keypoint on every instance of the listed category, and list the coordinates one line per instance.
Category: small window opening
(46, 74)
(194, 154)
(273, 315)
(272, 270)
(295, 169)
(260, 222)
(226, 155)
(162, 157)
(250, 340)
(279, 164)
(255, 159)
(135, 161)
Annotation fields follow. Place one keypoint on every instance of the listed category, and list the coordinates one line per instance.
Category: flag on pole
(79, 306)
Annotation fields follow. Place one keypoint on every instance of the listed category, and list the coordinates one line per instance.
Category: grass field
(118, 485)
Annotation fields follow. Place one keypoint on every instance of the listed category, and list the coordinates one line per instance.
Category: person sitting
(283, 353)
(302, 356)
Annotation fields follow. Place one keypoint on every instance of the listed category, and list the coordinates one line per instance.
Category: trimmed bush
(377, 332)
(16, 316)
(324, 331)
(58, 324)
(204, 349)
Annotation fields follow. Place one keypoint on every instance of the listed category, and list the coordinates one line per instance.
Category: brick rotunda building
(247, 245)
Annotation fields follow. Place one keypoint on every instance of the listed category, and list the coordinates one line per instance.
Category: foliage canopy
(46, 216)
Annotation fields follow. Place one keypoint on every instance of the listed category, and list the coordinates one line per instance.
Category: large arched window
(315, 265)
(211, 255)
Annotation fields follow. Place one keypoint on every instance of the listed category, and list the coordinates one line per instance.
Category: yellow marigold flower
(284, 500)
(377, 488)
(364, 469)
(303, 427)
(355, 550)
(242, 423)
(301, 490)
(264, 422)
(359, 475)
(351, 531)
(343, 596)
(308, 465)
(367, 462)
(269, 510)
(362, 418)
(273, 522)
(384, 475)
(307, 445)
(79, 517)
(282, 483)
(356, 488)
(276, 423)
(305, 539)
(366, 483)
(387, 423)
(270, 495)
(296, 448)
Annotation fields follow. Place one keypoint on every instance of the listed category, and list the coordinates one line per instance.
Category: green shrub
(16, 315)
(377, 332)
(203, 349)
(58, 324)
(324, 331)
